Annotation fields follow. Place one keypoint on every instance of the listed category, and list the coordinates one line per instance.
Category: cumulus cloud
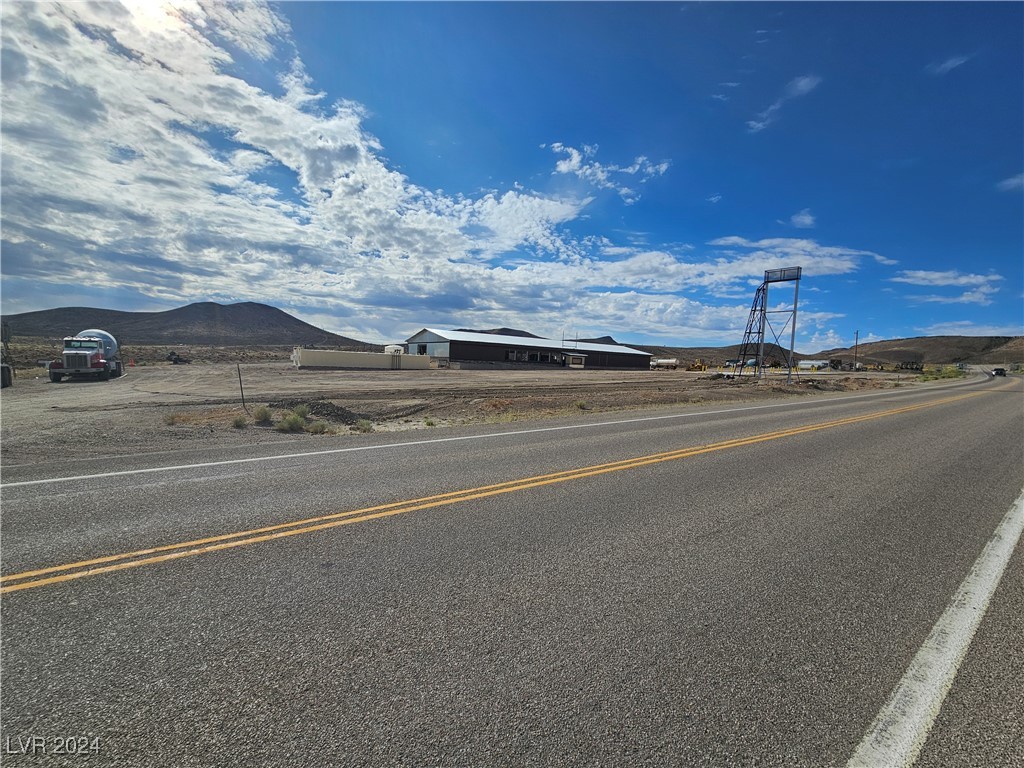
(802, 220)
(581, 163)
(142, 162)
(828, 339)
(796, 88)
(776, 253)
(147, 160)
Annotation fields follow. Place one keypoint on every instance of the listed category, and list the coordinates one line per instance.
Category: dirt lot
(163, 407)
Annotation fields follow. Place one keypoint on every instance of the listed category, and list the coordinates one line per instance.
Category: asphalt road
(733, 585)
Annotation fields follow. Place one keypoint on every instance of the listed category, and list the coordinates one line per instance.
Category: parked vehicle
(6, 361)
(664, 362)
(92, 353)
(998, 371)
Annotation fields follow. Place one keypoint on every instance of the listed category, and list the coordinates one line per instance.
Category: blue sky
(564, 168)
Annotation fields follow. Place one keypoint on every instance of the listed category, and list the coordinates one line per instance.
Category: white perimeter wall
(330, 358)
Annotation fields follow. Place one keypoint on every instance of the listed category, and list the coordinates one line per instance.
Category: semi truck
(91, 353)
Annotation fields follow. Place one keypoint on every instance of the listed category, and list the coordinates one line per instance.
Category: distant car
(998, 371)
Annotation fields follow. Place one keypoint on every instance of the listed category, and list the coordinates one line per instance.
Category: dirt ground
(162, 407)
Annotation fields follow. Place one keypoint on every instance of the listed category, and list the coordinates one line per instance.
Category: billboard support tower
(759, 321)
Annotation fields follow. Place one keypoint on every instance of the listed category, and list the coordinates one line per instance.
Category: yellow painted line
(76, 570)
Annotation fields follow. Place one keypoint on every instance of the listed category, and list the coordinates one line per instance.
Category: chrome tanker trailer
(90, 353)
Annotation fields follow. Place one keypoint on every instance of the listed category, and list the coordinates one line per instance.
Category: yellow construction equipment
(700, 364)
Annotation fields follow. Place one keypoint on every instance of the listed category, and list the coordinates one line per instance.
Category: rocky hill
(930, 350)
(717, 355)
(253, 325)
(937, 349)
(207, 323)
(501, 332)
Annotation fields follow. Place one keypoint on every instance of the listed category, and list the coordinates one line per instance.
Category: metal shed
(471, 346)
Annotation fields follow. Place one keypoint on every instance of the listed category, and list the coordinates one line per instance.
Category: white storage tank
(109, 342)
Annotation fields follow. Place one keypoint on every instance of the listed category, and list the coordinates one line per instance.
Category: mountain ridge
(207, 323)
(261, 325)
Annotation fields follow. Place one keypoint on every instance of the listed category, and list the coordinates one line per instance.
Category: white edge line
(226, 462)
(898, 733)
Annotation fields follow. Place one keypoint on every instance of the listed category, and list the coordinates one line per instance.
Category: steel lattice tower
(753, 337)
(758, 322)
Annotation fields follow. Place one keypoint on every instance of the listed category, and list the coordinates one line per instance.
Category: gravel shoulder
(164, 407)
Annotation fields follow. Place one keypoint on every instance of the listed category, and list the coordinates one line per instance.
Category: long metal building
(470, 347)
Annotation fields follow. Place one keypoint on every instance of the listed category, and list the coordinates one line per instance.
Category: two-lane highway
(701, 586)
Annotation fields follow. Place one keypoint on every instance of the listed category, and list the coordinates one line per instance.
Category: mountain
(243, 324)
(501, 332)
(259, 325)
(936, 349)
(716, 355)
(925, 349)
(528, 335)
(599, 340)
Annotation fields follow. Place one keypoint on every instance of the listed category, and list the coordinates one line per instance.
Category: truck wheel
(118, 371)
(105, 373)
(56, 378)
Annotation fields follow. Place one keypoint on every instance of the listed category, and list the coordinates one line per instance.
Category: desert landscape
(241, 388)
(163, 406)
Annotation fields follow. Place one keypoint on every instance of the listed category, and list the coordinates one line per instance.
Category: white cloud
(823, 340)
(147, 163)
(803, 220)
(801, 86)
(1014, 182)
(980, 296)
(177, 204)
(981, 287)
(752, 257)
(944, 67)
(581, 164)
(714, 198)
(970, 328)
(797, 87)
(948, 277)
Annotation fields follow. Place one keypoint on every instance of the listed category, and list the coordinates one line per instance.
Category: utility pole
(856, 341)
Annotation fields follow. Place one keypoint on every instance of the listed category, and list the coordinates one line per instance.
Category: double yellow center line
(60, 573)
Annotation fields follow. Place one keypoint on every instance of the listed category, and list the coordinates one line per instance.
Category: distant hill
(528, 335)
(260, 325)
(501, 332)
(716, 355)
(207, 323)
(925, 349)
(937, 349)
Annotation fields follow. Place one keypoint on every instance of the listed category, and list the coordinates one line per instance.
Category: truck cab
(87, 355)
